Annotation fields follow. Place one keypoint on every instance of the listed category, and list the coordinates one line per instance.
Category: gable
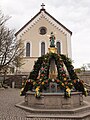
(45, 15)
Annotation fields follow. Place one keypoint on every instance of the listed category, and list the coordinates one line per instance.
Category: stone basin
(54, 100)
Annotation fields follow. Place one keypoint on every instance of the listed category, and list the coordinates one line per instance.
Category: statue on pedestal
(52, 40)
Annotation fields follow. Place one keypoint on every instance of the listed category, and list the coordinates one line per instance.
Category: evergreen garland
(39, 77)
(69, 67)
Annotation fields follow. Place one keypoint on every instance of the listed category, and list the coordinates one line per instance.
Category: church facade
(35, 37)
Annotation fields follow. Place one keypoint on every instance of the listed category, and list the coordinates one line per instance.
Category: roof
(36, 16)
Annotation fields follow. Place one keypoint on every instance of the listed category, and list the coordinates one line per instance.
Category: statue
(52, 40)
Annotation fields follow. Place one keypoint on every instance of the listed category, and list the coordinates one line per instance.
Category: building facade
(35, 37)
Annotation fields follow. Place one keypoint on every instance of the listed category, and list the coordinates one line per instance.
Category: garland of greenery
(67, 61)
(39, 77)
(78, 84)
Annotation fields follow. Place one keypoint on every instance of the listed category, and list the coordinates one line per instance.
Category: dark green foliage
(69, 67)
(39, 76)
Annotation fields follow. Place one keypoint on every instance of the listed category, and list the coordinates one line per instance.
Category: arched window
(58, 44)
(28, 49)
(42, 48)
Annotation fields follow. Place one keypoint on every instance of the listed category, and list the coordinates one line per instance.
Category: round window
(43, 30)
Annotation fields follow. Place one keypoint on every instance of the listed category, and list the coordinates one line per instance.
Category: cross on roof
(42, 5)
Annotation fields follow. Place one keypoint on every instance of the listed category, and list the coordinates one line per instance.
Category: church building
(35, 37)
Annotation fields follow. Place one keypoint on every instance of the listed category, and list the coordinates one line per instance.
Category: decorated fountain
(53, 88)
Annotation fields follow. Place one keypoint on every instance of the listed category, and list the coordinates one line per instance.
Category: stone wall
(19, 78)
(85, 76)
(13, 80)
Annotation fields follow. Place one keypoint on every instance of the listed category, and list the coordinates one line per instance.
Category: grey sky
(74, 14)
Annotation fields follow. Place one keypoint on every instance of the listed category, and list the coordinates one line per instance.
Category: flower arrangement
(85, 91)
(68, 92)
(37, 92)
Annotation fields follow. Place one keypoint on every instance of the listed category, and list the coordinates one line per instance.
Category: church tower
(34, 36)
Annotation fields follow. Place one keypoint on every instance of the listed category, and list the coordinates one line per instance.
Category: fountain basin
(54, 100)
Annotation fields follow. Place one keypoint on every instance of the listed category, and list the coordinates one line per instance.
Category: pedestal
(52, 50)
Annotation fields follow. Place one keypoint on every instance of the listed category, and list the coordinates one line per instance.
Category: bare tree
(18, 58)
(10, 47)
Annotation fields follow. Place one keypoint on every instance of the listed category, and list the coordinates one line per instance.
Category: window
(58, 44)
(42, 48)
(43, 30)
(28, 49)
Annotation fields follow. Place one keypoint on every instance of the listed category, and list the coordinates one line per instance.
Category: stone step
(81, 110)
(85, 116)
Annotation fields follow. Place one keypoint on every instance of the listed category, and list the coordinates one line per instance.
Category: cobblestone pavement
(87, 99)
(8, 99)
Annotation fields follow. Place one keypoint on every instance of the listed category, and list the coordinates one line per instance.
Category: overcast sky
(74, 14)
